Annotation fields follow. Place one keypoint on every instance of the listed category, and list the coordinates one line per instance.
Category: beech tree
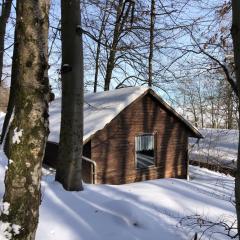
(29, 129)
(69, 166)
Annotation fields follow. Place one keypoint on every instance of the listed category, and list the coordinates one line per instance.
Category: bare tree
(235, 31)
(214, 48)
(29, 128)
(12, 94)
(5, 13)
(122, 15)
(98, 50)
(69, 166)
(151, 42)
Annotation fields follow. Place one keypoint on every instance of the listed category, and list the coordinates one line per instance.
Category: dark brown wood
(50, 157)
(113, 148)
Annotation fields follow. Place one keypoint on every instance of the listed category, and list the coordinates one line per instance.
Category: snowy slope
(148, 210)
(2, 115)
(219, 146)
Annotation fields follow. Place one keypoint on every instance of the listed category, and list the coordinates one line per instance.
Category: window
(144, 147)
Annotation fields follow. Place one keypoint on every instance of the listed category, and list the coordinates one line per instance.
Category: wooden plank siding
(113, 148)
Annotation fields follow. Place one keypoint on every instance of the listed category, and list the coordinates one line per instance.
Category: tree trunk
(236, 45)
(112, 55)
(151, 43)
(103, 25)
(192, 102)
(229, 103)
(97, 63)
(200, 106)
(71, 135)
(6, 9)
(12, 94)
(121, 19)
(29, 128)
(212, 114)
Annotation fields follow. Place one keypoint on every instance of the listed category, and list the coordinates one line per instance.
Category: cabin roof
(102, 107)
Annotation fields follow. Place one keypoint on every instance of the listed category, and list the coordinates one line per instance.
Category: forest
(119, 119)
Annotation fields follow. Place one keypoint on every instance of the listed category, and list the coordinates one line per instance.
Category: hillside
(159, 209)
(218, 147)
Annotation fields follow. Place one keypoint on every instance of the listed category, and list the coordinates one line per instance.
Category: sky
(161, 58)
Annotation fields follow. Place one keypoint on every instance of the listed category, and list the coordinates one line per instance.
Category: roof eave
(194, 130)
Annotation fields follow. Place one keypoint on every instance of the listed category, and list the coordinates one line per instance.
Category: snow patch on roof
(99, 109)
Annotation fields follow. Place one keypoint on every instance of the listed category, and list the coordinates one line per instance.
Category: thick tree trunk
(29, 128)
(6, 9)
(71, 134)
(151, 43)
(236, 45)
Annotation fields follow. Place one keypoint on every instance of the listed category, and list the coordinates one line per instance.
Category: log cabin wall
(113, 148)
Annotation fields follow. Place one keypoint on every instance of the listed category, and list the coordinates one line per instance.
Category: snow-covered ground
(2, 115)
(150, 210)
(140, 211)
(219, 146)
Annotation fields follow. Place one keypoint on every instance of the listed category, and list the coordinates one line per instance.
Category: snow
(99, 109)
(7, 230)
(140, 211)
(146, 210)
(4, 207)
(2, 115)
(17, 134)
(219, 146)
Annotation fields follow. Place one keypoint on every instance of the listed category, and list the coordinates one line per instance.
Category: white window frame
(154, 149)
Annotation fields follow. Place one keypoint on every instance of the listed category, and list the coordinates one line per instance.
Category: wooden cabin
(130, 135)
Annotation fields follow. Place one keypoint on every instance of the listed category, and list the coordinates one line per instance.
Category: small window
(145, 154)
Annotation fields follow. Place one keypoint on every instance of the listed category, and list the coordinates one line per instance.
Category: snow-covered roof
(100, 109)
